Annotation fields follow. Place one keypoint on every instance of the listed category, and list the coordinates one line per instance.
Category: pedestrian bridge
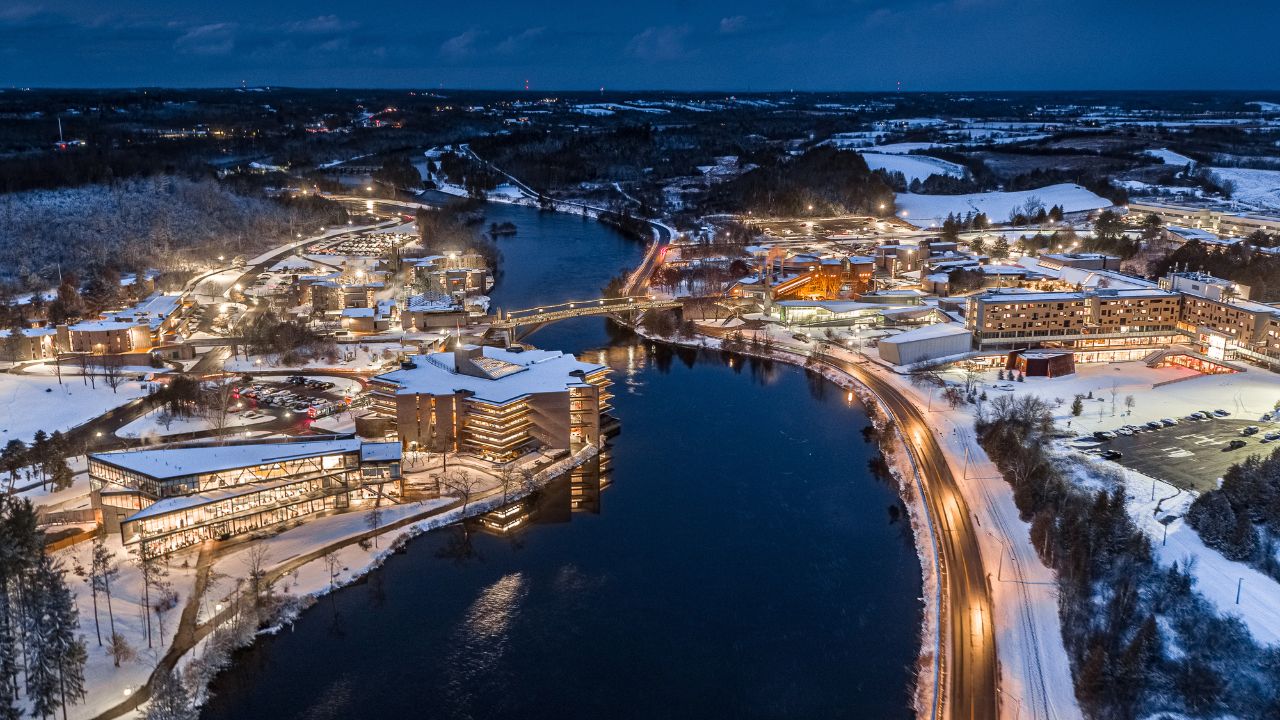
(522, 322)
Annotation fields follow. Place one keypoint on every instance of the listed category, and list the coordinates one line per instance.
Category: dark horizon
(749, 45)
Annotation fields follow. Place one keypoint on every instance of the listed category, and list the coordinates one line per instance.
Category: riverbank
(304, 574)
(927, 696)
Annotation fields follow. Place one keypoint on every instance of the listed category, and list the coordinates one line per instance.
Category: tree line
(1123, 614)
(1241, 519)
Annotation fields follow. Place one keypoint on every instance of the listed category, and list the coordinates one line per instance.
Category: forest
(1141, 640)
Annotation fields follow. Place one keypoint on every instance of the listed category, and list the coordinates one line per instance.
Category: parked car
(1155, 425)
(1251, 430)
(1104, 435)
(1271, 436)
(1236, 444)
(1124, 431)
(1169, 422)
(1112, 455)
(1221, 413)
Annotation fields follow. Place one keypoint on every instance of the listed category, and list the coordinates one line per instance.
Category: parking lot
(311, 397)
(1192, 454)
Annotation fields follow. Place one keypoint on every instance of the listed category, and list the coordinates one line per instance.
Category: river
(737, 557)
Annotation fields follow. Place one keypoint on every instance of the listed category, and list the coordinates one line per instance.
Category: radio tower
(526, 84)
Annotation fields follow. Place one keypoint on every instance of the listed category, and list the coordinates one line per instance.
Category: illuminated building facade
(493, 403)
(166, 499)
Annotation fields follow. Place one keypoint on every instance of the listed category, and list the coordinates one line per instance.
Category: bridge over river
(517, 324)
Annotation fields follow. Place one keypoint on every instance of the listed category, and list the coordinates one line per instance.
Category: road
(969, 683)
(972, 674)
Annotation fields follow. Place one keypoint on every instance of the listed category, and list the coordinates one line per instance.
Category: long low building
(1107, 325)
(927, 343)
(166, 499)
(494, 403)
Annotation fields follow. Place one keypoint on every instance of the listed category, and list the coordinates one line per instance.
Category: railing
(579, 308)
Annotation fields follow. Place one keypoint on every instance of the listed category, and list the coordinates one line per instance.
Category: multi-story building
(151, 323)
(494, 403)
(1100, 320)
(165, 499)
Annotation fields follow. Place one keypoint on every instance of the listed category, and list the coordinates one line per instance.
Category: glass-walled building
(165, 499)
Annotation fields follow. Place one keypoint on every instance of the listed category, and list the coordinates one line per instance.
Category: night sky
(634, 44)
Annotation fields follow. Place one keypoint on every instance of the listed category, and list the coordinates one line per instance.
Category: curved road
(970, 672)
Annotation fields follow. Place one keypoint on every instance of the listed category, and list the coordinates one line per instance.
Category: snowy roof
(534, 371)
(184, 502)
(357, 312)
(39, 332)
(927, 332)
(152, 311)
(380, 452)
(431, 303)
(175, 462)
(103, 325)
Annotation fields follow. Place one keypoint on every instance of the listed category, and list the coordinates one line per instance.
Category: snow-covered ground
(39, 402)
(1246, 395)
(927, 210)
(913, 167)
(1258, 188)
(903, 148)
(1217, 578)
(362, 357)
(1169, 157)
(106, 684)
(153, 424)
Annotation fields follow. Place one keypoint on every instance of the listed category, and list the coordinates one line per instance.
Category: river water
(736, 556)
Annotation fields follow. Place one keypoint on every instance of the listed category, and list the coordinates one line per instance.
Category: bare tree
(462, 484)
(332, 565)
(217, 403)
(256, 576)
(112, 372)
(120, 650)
(373, 519)
(509, 477)
(1129, 402)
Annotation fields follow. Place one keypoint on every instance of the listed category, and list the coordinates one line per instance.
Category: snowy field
(914, 167)
(1246, 395)
(903, 148)
(38, 402)
(926, 210)
(1169, 157)
(1259, 188)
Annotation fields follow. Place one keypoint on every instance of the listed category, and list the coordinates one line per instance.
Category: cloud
(731, 25)
(460, 47)
(320, 25)
(212, 39)
(658, 44)
(518, 43)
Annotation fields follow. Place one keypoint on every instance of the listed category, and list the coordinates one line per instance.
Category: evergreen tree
(55, 652)
(1000, 248)
(1077, 406)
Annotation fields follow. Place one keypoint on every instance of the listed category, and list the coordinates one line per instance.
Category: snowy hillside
(926, 210)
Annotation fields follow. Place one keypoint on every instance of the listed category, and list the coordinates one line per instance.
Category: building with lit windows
(493, 403)
(1109, 323)
(165, 499)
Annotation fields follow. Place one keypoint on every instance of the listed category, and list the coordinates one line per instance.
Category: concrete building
(494, 403)
(166, 499)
